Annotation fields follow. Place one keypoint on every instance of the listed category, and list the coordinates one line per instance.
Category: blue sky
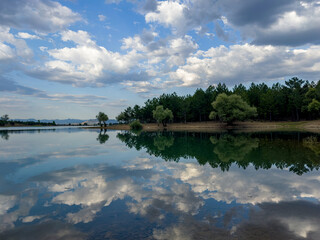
(74, 58)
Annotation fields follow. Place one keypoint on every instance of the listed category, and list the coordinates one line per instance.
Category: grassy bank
(313, 126)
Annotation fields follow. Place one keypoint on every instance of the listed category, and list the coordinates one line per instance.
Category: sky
(74, 58)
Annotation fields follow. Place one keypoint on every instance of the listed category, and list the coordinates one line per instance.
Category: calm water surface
(74, 183)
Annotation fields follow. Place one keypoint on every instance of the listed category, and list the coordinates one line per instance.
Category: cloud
(281, 23)
(122, 103)
(6, 52)
(246, 63)
(30, 219)
(86, 63)
(284, 22)
(10, 86)
(78, 99)
(149, 6)
(220, 32)
(7, 85)
(101, 17)
(13, 49)
(256, 12)
(293, 28)
(112, 1)
(37, 15)
(183, 16)
(25, 35)
(170, 14)
(143, 86)
(158, 56)
(13, 102)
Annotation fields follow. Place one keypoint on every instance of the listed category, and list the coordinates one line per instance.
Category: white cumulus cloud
(246, 63)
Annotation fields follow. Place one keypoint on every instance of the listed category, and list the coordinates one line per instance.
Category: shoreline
(250, 126)
(209, 126)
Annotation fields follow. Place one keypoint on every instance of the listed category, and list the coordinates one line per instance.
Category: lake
(72, 183)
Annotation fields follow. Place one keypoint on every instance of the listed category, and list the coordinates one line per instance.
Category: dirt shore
(312, 126)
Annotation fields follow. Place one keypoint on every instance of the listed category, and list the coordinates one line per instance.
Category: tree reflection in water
(162, 142)
(4, 135)
(299, 152)
(103, 137)
(233, 148)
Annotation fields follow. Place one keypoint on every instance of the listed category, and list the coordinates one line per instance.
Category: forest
(295, 100)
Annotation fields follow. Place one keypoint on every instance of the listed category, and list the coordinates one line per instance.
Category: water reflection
(229, 148)
(4, 135)
(276, 221)
(45, 230)
(89, 190)
(103, 137)
(296, 151)
(312, 143)
(162, 142)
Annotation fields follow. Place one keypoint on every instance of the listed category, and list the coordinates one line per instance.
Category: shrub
(136, 125)
(231, 108)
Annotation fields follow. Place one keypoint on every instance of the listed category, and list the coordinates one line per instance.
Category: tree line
(295, 100)
(5, 121)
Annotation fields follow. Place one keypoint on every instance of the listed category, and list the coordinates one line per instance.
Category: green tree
(5, 117)
(121, 117)
(137, 112)
(185, 107)
(128, 113)
(102, 118)
(241, 91)
(170, 101)
(314, 107)
(222, 88)
(162, 115)
(136, 125)
(295, 92)
(231, 108)
(255, 93)
(147, 110)
(199, 103)
(310, 102)
(269, 104)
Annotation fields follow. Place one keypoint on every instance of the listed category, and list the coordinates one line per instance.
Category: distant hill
(66, 121)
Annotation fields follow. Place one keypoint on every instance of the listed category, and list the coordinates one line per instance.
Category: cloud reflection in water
(181, 200)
